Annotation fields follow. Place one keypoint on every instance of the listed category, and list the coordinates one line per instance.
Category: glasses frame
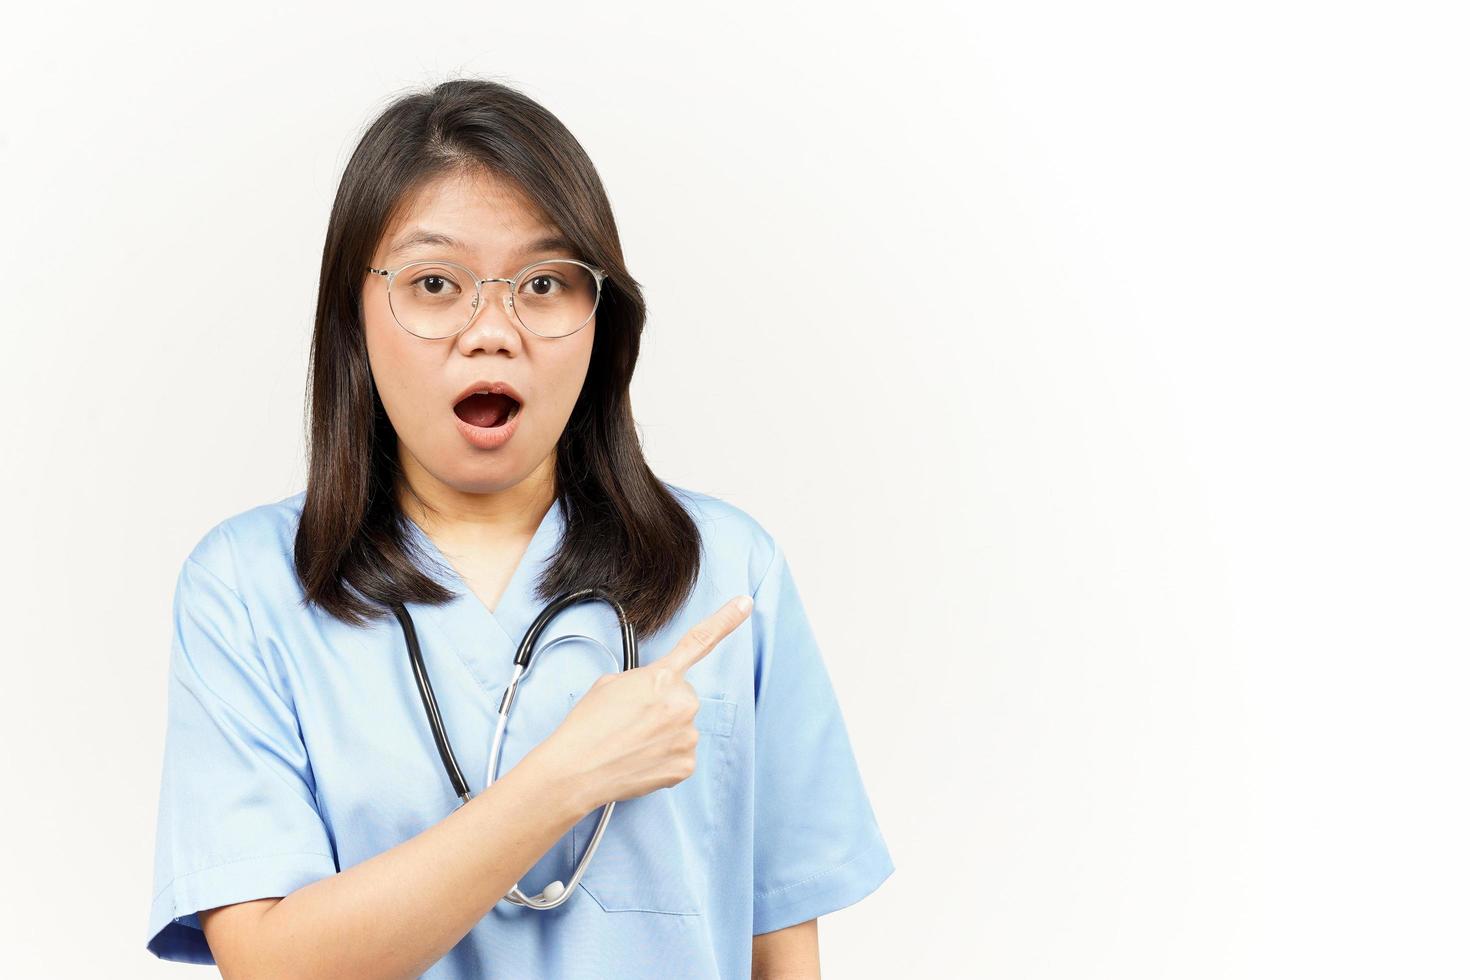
(510, 301)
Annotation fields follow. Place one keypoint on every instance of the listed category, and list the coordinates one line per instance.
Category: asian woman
(472, 456)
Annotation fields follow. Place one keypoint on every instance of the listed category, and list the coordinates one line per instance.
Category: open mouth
(486, 410)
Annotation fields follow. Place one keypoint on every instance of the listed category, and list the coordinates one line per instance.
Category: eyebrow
(552, 242)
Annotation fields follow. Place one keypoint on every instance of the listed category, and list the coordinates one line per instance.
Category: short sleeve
(817, 843)
(237, 818)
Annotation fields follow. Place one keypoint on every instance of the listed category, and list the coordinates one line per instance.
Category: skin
(486, 504)
(490, 502)
(786, 954)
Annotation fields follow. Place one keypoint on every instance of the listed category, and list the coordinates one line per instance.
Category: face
(420, 380)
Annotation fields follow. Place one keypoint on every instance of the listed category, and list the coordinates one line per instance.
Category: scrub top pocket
(656, 849)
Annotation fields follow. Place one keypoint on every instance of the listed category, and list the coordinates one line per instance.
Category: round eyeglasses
(436, 299)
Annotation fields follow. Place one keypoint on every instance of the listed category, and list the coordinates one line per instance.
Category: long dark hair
(625, 531)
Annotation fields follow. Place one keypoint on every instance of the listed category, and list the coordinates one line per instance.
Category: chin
(486, 476)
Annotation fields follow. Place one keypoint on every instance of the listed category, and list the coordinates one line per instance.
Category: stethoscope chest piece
(555, 892)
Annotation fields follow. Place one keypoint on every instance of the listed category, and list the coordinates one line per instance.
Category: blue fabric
(297, 746)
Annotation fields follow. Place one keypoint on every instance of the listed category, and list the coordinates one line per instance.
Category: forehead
(490, 216)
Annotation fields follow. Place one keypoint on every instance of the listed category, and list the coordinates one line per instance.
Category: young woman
(473, 456)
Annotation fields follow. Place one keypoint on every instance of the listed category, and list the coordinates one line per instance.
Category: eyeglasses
(550, 297)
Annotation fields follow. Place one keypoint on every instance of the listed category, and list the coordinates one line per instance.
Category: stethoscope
(555, 893)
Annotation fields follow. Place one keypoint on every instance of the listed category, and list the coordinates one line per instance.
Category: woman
(472, 456)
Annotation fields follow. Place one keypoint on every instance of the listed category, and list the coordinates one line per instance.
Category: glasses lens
(433, 299)
(555, 297)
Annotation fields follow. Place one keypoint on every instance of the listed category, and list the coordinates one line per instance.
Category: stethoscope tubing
(522, 665)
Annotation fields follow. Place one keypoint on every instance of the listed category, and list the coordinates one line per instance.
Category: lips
(488, 404)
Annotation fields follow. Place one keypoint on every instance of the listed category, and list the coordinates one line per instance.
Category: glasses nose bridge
(505, 301)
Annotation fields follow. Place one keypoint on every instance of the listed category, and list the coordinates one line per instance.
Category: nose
(488, 328)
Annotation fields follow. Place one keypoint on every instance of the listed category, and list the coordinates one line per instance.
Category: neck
(446, 512)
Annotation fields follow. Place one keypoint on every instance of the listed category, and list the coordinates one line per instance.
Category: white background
(1122, 465)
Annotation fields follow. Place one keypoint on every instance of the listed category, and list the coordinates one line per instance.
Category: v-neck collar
(486, 641)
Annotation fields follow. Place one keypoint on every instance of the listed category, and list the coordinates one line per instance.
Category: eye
(435, 284)
(544, 284)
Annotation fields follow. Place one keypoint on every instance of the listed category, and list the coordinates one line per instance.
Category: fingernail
(743, 603)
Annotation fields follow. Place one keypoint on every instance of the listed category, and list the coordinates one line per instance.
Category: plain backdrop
(1100, 367)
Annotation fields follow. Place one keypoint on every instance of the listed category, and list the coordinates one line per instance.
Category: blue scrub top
(297, 746)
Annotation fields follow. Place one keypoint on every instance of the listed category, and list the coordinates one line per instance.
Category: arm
(395, 914)
(786, 954)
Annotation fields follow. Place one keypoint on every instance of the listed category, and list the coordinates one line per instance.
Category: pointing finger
(705, 636)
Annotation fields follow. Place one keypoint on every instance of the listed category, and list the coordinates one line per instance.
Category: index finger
(705, 636)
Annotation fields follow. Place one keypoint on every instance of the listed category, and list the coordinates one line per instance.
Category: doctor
(473, 454)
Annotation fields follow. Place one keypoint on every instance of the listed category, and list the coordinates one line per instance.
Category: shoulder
(253, 548)
(729, 534)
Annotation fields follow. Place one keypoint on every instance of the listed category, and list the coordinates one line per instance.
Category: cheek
(567, 373)
(395, 359)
